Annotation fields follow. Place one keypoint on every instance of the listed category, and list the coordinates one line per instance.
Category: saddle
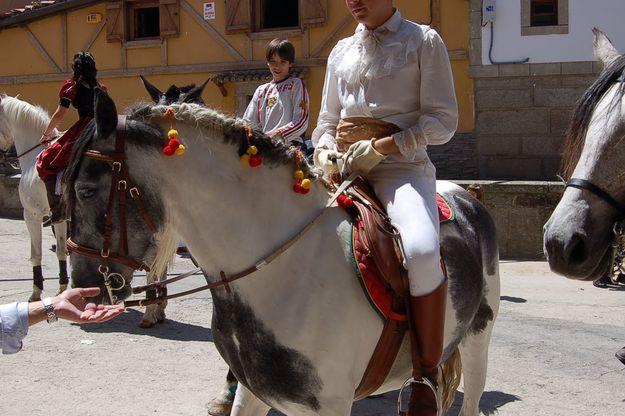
(378, 262)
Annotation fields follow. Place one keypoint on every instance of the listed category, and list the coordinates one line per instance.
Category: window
(544, 17)
(276, 14)
(144, 21)
(544, 13)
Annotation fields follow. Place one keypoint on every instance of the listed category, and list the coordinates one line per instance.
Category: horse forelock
(232, 130)
(575, 136)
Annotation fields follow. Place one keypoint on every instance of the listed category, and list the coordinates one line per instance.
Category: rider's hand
(45, 139)
(325, 159)
(72, 305)
(361, 157)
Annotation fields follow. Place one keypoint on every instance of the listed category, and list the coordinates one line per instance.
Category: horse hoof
(146, 324)
(220, 407)
(62, 288)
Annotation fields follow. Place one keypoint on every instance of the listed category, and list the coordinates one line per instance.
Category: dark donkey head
(187, 94)
(87, 184)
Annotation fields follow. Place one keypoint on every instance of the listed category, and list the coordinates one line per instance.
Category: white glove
(361, 157)
(325, 160)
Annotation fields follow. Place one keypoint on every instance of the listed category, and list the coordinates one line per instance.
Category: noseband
(120, 188)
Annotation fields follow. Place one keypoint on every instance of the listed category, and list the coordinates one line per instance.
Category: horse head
(6, 136)
(187, 94)
(578, 236)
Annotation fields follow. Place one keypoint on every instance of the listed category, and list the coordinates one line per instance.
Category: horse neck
(27, 123)
(231, 215)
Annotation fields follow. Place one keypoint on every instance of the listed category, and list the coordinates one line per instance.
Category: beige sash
(354, 129)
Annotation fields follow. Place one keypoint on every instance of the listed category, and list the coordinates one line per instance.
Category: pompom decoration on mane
(251, 157)
(302, 184)
(173, 147)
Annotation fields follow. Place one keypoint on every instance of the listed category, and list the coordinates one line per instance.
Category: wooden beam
(160, 70)
(41, 49)
(458, 54)
(211, 31)
(164, 56)
(436, 15)
(94, 36)
(64, 40)
(306, 43)
(250, 49)
(123, 56)
(221, 87)
(347, 20)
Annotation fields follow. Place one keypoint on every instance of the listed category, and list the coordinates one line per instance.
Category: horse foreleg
(154, 313)
(60, 232)
(33, 224)
(221, 405)
(246, 404)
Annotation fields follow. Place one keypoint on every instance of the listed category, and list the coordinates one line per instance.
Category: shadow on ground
(128, 323)
(386, 404)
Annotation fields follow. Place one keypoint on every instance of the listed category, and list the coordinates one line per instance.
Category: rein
(120, 186)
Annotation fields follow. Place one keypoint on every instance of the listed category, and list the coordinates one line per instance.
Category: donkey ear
(195, 94)
(105, 114)
(154, 92)
(605, 52)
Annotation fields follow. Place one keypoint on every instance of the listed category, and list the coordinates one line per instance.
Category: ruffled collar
(371, 54)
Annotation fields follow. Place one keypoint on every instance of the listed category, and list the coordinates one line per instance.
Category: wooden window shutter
(169, 11)
(314, 12)
(238, 16)
(115, 21)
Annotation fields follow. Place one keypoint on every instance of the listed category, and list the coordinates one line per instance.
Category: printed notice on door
(209, 10)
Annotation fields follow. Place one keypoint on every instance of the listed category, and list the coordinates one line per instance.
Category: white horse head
(577, 237)
(6, 135)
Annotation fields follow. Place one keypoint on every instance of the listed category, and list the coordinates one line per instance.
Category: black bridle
(586, 185)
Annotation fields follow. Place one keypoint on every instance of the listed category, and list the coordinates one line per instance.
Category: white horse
(22, 124)
(578, 237)
(298, 333)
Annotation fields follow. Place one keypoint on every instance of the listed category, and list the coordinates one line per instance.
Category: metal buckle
(117, 166)
(134, 192)
(122, 184)
(105, 254)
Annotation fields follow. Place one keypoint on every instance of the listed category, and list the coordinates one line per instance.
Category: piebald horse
(297, 333)
(21, 124)
(579, 236)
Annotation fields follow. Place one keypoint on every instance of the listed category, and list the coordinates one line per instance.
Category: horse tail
(451, 372)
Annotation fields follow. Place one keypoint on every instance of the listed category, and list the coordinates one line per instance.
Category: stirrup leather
(427, 382)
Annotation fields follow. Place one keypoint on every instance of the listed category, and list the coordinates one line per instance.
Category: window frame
(562, 28)
(257, 19)
(131, 18)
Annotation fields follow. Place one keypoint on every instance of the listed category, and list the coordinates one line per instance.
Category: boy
(280, 107)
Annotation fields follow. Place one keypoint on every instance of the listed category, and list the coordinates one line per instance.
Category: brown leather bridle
(120, 188)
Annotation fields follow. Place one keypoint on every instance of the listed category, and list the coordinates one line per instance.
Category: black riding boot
(54, 201)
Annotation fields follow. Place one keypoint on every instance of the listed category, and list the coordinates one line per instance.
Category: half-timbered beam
(41, 49)
(436, 15)
(164, 55)
(330, 38)
(211, 31)
(94, 36)
(64, 40)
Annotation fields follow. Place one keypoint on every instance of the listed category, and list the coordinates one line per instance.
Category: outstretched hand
(72, 305)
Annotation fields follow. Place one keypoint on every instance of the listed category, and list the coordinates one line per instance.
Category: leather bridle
(120, 189)
(584, 184)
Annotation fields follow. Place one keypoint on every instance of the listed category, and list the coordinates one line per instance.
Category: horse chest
(272, 371)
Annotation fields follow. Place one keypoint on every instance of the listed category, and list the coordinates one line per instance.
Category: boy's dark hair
(283, 48)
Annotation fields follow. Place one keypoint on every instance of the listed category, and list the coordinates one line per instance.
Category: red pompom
(255, 161)
(304, 191)
(344, 201)
(168, 150)
(297, 188)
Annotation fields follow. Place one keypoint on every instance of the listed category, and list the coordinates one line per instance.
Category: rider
(79, 92)
(388, 93)
(280, 107)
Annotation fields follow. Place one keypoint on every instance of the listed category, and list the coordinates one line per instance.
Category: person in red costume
(79, 92)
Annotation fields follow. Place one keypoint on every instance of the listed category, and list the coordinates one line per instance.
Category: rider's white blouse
(400, 73)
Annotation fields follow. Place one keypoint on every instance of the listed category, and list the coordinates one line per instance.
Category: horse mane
(576, 133)
(233, 130)
(25, 113)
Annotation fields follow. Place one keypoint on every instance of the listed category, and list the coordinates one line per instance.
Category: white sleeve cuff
(409, 142)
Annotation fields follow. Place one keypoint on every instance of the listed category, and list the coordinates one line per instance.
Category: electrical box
(488, 11)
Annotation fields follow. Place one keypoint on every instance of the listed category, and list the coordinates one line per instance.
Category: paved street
(552, 352)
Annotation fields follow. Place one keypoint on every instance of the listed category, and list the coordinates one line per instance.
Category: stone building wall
(522, 111)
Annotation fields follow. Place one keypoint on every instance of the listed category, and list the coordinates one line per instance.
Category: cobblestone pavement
(552, 351)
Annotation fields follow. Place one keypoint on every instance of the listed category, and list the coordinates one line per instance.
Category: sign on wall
(209, 10)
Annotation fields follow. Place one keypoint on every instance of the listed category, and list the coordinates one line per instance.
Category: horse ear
(105, 114)
(605, 52)
(154, 92)
(195, 94)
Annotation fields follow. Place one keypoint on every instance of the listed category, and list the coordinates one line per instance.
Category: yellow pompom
(306, 183)
(245, 159)
(252, 150)
(181, 149)
(172, 134)
(298, 175)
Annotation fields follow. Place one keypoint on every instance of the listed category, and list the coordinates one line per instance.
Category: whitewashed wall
(509, 45)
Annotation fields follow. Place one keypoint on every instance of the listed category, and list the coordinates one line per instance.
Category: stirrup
(427, 382)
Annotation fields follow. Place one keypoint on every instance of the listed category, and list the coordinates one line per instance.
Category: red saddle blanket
(378, 293)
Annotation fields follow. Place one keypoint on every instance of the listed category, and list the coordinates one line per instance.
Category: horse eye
(86, 193)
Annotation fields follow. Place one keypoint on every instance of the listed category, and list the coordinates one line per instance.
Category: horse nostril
(575, 250)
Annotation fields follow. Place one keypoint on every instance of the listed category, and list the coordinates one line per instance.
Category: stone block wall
(456, 159)
(522, 111)
(10, 206)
